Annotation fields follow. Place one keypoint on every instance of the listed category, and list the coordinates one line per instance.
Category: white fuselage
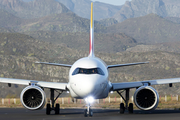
(89, 77)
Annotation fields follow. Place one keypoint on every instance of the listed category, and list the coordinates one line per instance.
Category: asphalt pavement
(77, 114)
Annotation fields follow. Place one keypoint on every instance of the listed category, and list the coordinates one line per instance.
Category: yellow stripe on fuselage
(91, 15)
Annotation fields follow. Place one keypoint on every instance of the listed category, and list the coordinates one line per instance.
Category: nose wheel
(88, 111)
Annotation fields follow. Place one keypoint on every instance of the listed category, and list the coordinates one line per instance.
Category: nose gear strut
(88, 111)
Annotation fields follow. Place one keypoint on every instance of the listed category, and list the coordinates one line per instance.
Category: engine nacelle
(33, 98)
(146, 98)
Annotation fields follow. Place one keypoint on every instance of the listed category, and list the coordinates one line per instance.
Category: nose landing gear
(88, 111)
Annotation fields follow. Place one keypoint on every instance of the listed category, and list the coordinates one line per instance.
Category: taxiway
(77, 114)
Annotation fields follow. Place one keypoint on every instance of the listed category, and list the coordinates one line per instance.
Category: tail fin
(91, 38)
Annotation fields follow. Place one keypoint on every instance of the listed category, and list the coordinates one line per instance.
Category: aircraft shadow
(156, 112)
(81, 111)
(95, 111)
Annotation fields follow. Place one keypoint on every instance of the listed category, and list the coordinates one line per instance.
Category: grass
(171, 103)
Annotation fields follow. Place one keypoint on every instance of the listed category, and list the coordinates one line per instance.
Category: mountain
(6, 30)
(67, 22)
(19, 45)
(173, 19)
(27, 0)
(149, 29)
(82, 8)
(29, 9)
(40, 8)
(106, 43)
(172, 8)
(108, 22)
(66, 40)
(8, 20)
(173, 47)
(18, 52)
(138, 8)
(33, 9)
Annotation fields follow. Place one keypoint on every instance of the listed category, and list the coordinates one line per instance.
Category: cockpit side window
(88, 71)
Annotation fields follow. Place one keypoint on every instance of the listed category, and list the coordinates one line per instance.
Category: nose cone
(85, 86)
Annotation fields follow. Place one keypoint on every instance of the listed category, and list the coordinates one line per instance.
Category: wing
(120, 86)
(54, 64)
(127, 64)
(60, 86)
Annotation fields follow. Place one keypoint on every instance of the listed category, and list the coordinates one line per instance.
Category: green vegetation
(108, 22)
(11, 96)
(149, 29)
(79, 40)
(62, 37)
(20, 63)
(102, 103)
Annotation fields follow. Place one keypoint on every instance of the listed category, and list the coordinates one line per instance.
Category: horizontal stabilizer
(54, 64)
(127, 64)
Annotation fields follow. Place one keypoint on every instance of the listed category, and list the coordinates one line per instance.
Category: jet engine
(146, 98)
(33, 98)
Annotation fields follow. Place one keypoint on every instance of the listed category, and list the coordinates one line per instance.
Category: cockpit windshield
(88, 71)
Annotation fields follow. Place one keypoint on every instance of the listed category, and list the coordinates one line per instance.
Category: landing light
(89, 99)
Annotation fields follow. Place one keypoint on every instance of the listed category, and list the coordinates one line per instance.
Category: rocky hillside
(5, 30)
(150, 29)
(167, 46)
(82, 8)
(138, 8)
(58, 35)
(173, 19)
(29, 9)
(8, 20)
(18, 53)
(107, 43)
(68, 22)
(33, 9)
(108, 22)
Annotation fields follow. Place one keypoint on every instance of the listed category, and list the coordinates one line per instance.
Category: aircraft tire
(122, 108)
(48, 109)
(57, 109)
(130, 109)
(90, 113)
(85, 113)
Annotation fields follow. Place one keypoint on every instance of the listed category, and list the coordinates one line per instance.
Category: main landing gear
(126, 100)
(49, 108)
(88, 111)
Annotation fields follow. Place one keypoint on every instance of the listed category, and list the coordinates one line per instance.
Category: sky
(113, 2)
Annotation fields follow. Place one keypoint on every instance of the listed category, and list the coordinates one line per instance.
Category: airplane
(88, 79)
